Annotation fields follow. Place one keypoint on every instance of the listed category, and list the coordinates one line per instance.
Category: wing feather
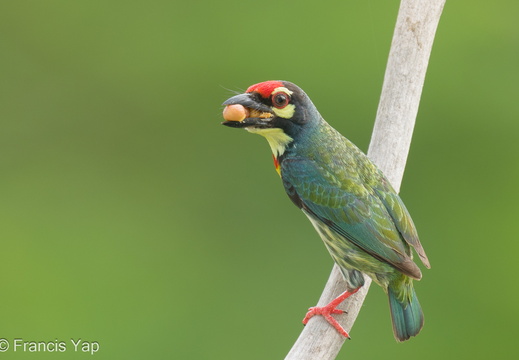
(376, 223)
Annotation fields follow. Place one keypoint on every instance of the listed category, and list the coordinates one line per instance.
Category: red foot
(330, 309)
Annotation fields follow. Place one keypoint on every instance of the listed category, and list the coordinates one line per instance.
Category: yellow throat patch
(277, 140)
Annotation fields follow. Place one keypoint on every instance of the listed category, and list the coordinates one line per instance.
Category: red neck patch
(276, 164)
(266, 88)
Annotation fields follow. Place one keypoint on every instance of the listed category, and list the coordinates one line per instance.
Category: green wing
(402, 220)
(377, 223)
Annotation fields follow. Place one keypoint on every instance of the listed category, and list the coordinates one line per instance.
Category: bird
(362, 221)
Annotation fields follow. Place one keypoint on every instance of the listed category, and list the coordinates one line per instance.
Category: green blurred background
(130, 217)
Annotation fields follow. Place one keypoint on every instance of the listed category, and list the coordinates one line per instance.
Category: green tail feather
(407, 316)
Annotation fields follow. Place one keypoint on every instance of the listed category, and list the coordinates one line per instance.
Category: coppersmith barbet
(360, 218)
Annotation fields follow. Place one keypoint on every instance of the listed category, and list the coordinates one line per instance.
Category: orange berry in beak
(235, 113)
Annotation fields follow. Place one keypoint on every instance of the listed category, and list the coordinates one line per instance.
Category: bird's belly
(351, 257)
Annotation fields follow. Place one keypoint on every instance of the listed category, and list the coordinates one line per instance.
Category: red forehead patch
(266, 88)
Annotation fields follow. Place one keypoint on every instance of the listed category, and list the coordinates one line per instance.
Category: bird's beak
(243, 111)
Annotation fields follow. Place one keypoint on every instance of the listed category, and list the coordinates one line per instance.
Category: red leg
(329, 309)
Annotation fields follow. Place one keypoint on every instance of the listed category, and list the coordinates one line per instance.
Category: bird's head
(271, 107)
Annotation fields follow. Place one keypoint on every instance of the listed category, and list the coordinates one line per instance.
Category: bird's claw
(326, 312)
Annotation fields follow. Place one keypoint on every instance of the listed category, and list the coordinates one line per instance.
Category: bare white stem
(403, 82)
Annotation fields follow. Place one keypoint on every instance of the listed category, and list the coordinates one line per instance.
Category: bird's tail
(406, 311)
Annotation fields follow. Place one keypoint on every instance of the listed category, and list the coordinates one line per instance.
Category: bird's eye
(280, 99)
